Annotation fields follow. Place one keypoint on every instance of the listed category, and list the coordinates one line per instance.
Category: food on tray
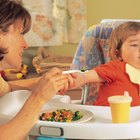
(61, 115)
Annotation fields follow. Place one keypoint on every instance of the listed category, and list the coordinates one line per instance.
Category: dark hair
(10, 13)
(119, 35)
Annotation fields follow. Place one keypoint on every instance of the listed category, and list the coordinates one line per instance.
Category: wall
(102, 9)
(96, 11)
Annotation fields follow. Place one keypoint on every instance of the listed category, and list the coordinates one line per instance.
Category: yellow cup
(120, 108)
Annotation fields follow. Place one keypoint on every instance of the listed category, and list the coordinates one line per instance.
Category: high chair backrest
(93, 51)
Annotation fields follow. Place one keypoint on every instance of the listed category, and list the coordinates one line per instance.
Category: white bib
(133, 73)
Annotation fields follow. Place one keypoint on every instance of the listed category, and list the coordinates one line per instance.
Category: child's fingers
(66, 87)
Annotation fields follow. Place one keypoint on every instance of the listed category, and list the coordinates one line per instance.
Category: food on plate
(61, 115)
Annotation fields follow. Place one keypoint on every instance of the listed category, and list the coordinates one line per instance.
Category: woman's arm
(47, 86)
(28, 84)
(19, 127)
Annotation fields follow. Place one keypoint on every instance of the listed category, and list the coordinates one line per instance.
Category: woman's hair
(10, 13)
(119, 35)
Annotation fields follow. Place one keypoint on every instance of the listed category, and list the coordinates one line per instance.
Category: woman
(15, 21)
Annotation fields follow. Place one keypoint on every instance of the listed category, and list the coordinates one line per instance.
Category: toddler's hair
(119, 35)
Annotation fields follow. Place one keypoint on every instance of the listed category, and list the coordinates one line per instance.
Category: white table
(100, 127)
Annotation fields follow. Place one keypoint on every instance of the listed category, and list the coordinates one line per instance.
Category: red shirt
(117, 81)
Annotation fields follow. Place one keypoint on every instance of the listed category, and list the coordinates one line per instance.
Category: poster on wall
(55, 22)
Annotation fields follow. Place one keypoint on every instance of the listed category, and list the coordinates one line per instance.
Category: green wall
(96, 11)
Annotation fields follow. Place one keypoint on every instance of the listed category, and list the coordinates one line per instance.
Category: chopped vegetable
(61, 115)
(84, 68)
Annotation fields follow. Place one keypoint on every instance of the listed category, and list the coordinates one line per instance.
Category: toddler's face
(130, 51)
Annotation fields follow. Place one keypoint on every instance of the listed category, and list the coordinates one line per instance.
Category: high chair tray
(99, 127)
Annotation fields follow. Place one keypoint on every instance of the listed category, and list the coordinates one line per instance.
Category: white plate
(87, 115)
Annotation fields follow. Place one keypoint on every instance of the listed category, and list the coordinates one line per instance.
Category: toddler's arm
(90, 76)
(78, 79)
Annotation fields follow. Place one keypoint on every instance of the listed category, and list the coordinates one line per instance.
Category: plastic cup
(120, 108)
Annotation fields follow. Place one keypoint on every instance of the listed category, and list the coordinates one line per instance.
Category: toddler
(122, 73)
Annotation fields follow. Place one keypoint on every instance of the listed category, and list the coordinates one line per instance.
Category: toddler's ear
(118, 55)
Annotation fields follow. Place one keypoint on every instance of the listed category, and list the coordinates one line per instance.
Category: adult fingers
(70, 81)
(59, 77)
(52, 72)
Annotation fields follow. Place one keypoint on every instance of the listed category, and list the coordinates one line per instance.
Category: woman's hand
(50, 84)
(70, 84)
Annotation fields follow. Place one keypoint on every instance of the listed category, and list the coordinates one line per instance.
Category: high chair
(93, 51)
